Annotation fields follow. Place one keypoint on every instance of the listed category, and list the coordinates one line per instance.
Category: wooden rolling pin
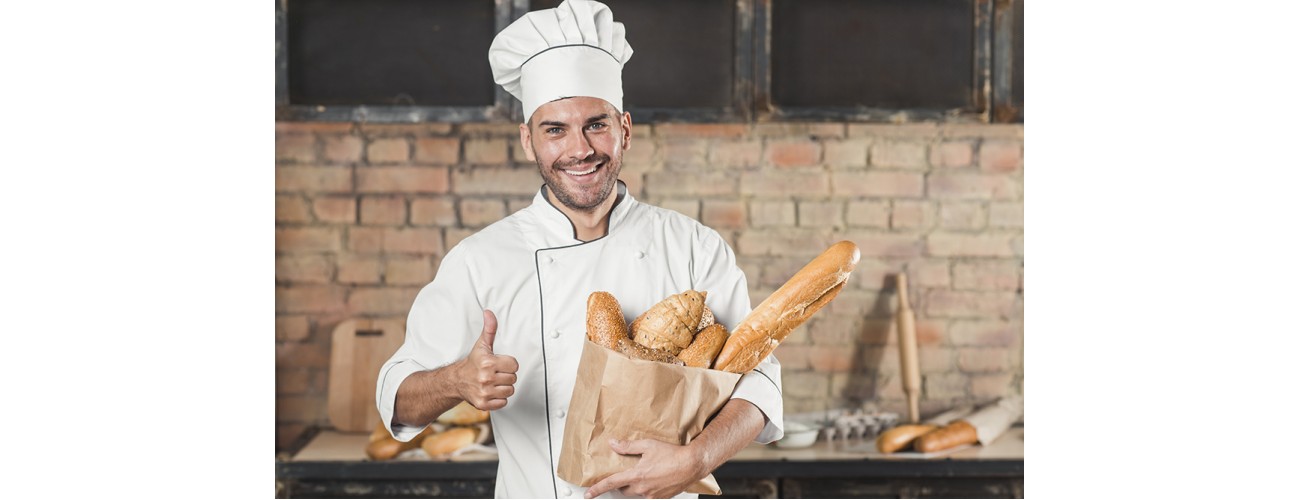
(907, 352)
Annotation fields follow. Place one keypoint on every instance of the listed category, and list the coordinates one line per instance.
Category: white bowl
(797, 436)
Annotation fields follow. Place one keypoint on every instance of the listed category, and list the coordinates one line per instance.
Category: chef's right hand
(487, 379)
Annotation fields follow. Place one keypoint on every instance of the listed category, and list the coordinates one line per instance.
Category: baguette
(805, 293)
(605, 322)
(449, 440)
(958, 433)
(901, 437)
(708, 343)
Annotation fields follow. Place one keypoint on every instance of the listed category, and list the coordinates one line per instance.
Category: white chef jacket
(535, 275)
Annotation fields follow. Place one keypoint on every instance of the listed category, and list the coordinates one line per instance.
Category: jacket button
(555, 334)
(550, 260)
(559, 414)
(640, 255)
(566, 492)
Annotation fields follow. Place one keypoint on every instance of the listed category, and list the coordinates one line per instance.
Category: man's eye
(554, 130)
(596, 126)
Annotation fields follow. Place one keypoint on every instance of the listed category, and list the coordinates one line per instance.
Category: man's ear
(526, 140)
(626, 118)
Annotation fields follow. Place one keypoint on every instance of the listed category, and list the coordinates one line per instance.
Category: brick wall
(363, 213)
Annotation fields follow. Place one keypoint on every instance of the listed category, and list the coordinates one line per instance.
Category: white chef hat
(573, 50)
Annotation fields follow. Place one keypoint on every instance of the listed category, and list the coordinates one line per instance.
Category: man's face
(578, 145)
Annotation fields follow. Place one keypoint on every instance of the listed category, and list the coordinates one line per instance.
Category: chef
(503, 323)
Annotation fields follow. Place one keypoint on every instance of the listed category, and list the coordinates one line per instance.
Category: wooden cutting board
(360, 348)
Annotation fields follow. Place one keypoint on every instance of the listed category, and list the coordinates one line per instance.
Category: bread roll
(463, 414)
(449, 440)
(383, 446)
(805, 293)
(670, 325)
(638, 351)
(605, 322)
(708, 343)
(949, 436)
(900, 437)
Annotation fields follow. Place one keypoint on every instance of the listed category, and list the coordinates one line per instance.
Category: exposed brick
(408, 271)
(961, 215)
(308, 299)
(490, 129)
(991, 386)
(777, 270)
(821, 214)
(388, 300)
(724, 214)
(366, 239)
(516, 204)
(987, 275)
(854, 303)
(735, 154)
(805, 384)
(831, 358)
(412, 240)
(402, 180)
(1018, 245)
(383, 210)
(306, 239)
(931, 332)
(904, 130)
(309, 127)
(689, 208)
(313, 179)
(437, 150)
(868, 214)
(303, 269)
(456, 235)
(963, 304)
(935, 360)
(685, 153)
(1007, 214)
(944, 385)
(712, 130)
(771, 213)
(908, 214)
(873, 244)
(690, 183)
(785, 183)
(335, 209)
(343, 149)
(291, 328)
(877, 183)
(294, 381)
(486, 151)
(790, 129)
(359, 270)
(496, 180)
(479, 213)
(372, 129)
(899, 154)
(433, 212)
(984, 130)
(638, 153)
(984, 332)
(298, 148)
(291, 208)
(793, 357)
(392, 150)
(1000, 156)
(783, 242)
(793, 153)
(952, 154)
(972, 186)
(833, 330)
(299, 407)
(883, 359)
(970, 245)
(983, 359)
(933, 273)
(850, 153)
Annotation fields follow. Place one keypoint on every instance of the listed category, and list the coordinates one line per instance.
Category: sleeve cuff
(387, 395)
(762, 387)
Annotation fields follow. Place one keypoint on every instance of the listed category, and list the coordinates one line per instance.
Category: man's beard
(550, 175)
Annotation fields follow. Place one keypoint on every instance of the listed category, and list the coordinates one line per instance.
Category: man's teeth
(584, 172)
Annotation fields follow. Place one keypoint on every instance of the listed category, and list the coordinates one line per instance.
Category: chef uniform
(535, 275)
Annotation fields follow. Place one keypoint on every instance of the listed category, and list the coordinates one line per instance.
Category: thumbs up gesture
(487, 379)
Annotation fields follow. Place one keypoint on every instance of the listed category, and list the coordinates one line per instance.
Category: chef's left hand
(664, 470)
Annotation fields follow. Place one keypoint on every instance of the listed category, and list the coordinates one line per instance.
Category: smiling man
(503, 323)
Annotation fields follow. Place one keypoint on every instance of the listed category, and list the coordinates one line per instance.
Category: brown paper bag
(617, 397)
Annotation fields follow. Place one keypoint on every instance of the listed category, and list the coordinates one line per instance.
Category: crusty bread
(957, 433)
(383, 446)
(901, 437)
(638, 351)
(706, 319)
(605, 322)
(708, 343)
(449, 440)
(788, 307)
(671, 324)
(463, 414)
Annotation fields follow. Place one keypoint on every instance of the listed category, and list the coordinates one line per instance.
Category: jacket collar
(558, 225)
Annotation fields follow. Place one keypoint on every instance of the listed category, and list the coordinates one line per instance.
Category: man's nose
(579, 148)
